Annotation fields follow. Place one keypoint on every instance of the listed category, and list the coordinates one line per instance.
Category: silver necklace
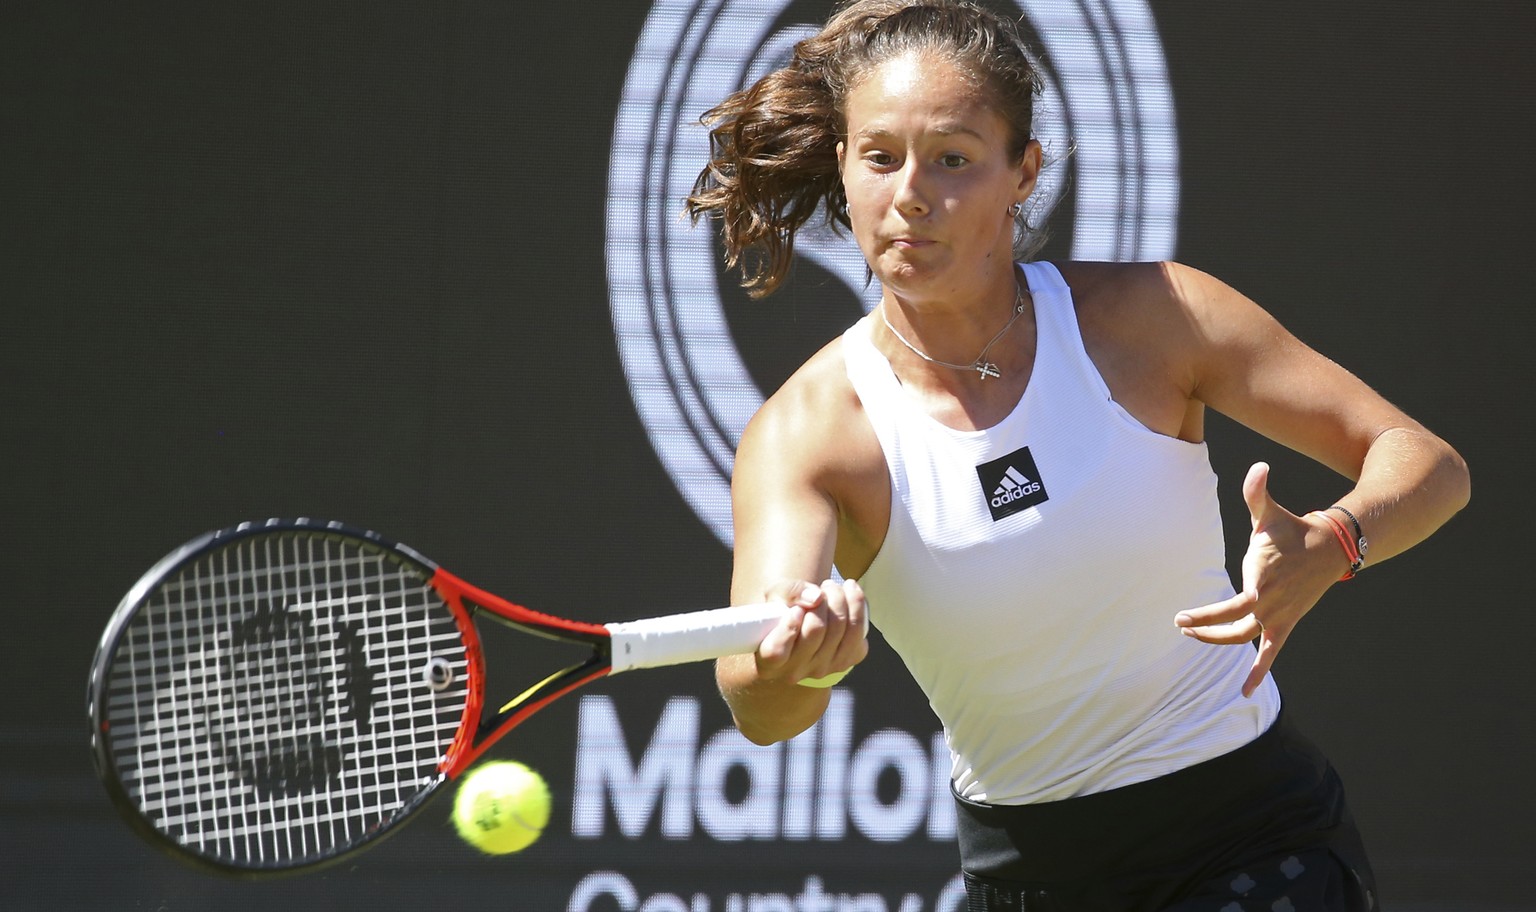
(981, 365)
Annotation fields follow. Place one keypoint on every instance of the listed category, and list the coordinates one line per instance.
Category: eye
(880, 159)
(953, 160)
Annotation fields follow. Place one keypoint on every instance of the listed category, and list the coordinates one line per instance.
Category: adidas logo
(1014, 485)
(1010, 484)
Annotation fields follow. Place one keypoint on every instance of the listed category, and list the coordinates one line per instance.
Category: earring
(1015, 209)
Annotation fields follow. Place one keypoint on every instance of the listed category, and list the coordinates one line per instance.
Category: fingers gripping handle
(692, 637)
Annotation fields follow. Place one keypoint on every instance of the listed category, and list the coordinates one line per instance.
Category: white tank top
(1031, 573)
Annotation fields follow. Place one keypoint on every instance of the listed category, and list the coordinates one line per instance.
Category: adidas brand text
(1011, 484)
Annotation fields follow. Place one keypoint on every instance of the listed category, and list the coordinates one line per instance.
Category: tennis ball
(827, 680)
(501, 807)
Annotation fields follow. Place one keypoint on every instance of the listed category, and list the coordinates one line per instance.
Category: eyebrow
(941, 130)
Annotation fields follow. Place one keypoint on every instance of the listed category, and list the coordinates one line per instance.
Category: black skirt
(1263, 827)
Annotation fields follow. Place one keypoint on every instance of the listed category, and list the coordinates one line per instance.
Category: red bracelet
(1351, 550)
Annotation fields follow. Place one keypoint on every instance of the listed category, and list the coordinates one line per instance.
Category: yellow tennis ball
(501, 807)
(825, 681)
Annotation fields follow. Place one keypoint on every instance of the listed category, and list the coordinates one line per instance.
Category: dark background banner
(350, 261)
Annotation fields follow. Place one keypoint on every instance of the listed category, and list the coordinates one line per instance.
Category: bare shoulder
(1131, 297)
(1164, 311)
(816, 399)
(814, 427)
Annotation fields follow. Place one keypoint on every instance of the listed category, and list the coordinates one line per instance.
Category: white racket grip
(691, 637)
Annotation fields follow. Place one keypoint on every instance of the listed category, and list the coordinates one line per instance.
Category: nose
(911, 192)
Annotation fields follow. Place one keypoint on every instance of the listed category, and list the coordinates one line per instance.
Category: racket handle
(692, 637)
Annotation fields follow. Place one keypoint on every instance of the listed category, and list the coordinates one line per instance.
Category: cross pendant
(986, 369)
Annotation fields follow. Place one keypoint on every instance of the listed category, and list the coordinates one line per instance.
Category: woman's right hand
(822, 633)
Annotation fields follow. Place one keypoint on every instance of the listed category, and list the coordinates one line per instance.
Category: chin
(911, 266)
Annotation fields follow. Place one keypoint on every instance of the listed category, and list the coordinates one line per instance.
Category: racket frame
(647, 643)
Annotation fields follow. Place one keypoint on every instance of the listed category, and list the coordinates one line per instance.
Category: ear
(842, 154)
(1029, 168)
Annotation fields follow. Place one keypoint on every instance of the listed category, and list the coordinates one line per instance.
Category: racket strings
(267, 705)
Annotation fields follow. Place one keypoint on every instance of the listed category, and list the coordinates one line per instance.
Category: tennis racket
(274, 696)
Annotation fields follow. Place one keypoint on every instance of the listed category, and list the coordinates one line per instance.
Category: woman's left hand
(1288, 567)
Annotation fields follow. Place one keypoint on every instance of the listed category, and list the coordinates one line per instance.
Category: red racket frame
(476, 732)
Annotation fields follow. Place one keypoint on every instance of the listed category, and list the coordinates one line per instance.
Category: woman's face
(929, 178)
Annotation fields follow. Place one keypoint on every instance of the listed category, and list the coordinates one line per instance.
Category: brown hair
(773, 144)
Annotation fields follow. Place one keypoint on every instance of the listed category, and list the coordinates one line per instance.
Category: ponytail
(773, 161)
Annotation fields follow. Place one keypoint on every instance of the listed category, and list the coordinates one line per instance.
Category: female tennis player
(1009, 458)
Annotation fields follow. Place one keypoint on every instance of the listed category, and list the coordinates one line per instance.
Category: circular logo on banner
(1106, 121)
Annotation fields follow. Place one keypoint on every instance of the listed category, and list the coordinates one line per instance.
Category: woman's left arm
(1408, 481)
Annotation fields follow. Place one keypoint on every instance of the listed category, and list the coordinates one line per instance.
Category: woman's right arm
(786, 524)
